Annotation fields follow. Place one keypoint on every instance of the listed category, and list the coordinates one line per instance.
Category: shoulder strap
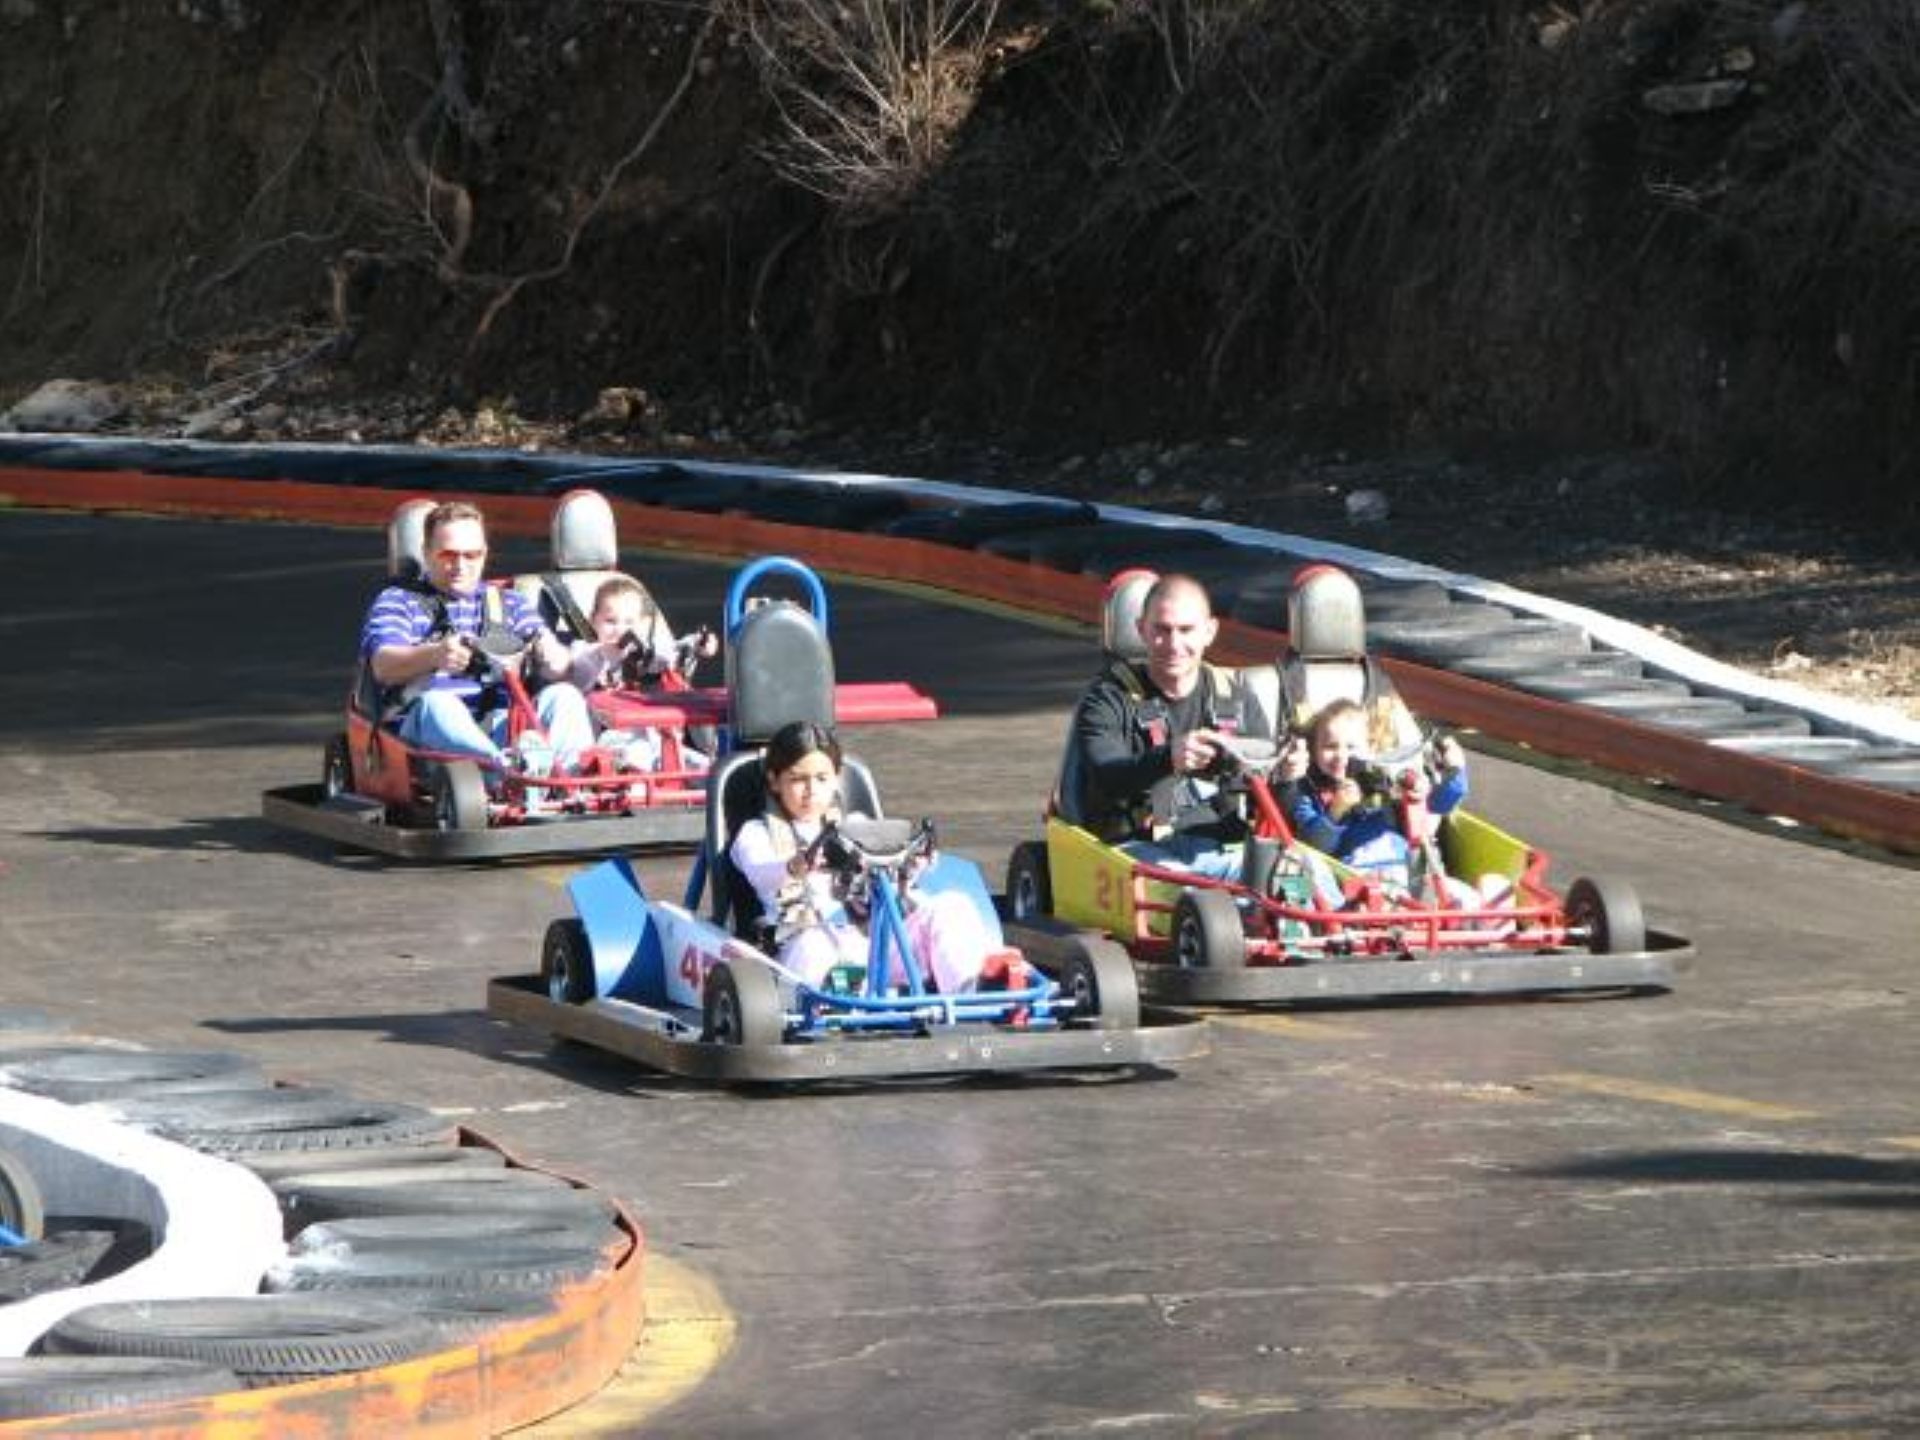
(557, 590)
(1127, 675)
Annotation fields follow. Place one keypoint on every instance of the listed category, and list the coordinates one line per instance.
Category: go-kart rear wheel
(1609, 911)
(741, 1006)
(336, 769)
(459, 796)
(566, 962)
(1029, 882)
(1098, 978)
(1207, 934)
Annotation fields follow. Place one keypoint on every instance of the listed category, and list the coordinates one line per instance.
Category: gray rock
(68, 405)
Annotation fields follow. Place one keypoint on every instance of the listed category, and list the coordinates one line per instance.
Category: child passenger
(815, 931)
(1350, 809)
(619, 611)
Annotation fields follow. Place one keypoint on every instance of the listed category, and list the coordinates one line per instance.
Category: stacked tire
(403, 1240)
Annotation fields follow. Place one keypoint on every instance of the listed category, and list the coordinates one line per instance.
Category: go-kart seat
(585, 553)
(738, 792)
(1326, 659)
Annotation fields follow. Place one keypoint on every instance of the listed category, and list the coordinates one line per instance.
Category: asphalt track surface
(1693, 1213)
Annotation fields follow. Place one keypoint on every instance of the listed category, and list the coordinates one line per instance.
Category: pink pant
(946, 933)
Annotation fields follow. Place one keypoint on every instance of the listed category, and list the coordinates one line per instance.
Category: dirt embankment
(1661, 223)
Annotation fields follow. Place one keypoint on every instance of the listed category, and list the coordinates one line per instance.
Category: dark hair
(448, 511)
(793, 743)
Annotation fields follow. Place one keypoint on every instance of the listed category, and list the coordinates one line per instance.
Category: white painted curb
(216, 1225)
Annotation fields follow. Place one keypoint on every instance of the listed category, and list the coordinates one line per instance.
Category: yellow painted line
(1905, 1142)
(689, 1332)
(1291, 1025)
(1675, 1095)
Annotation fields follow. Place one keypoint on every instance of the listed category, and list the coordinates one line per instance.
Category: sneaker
(531, 756)
(1003, 970)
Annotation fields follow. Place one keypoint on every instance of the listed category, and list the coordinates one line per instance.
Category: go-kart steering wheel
(495, 647)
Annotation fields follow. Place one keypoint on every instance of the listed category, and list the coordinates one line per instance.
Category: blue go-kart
(701, 996)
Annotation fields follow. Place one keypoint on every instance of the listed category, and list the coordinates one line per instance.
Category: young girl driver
(815, 931)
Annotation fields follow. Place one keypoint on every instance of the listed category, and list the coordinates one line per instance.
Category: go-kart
(379, 793)
(702, 996)
(1299, 926)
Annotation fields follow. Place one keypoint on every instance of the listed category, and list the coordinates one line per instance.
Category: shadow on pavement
(476, 1032)
(1796, 1168)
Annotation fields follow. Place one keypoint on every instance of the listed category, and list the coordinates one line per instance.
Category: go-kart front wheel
(566, 962)
(1029, 882)
(1207, 934)
(1609, 911)
(1098, 978)
(459, 796)
(336, 769)
(741, 1006)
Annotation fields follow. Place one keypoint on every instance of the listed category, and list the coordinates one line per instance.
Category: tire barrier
(739, 509)
(448, 1291)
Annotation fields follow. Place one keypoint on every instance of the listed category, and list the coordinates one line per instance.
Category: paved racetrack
(1689, 1213)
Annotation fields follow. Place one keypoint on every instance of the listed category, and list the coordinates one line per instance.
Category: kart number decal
(694, 965)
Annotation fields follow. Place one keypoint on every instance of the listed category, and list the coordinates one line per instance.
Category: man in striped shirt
(419, 644)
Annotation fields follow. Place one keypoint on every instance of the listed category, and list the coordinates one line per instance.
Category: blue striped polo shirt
(401, 616)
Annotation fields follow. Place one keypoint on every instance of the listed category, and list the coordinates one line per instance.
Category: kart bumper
(1438, 975)
(651, 1039)
(363, 826)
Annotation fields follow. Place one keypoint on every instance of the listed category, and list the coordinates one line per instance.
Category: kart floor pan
(614, 1026)
(1357, 981)
(300, 807)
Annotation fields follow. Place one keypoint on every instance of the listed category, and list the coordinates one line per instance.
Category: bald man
(1145, 736)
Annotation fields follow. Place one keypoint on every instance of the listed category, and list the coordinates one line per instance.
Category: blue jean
(1193, 853)
(441, 720)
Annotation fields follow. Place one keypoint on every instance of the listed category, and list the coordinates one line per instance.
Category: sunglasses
(470, 557)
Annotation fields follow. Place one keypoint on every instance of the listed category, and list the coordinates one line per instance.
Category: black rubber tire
(81, 1078)
(66, 1385)
(1029, 881)
(459, 796)
(566, 962)
(1715, 723)
(351, 1194)
(1580, 689)
(1513, 669)
(1098, 976)
(371, 1234)
(284, 1119)
(503, 1264)
(276, 1164)
(1402, 599)
(741, 1006)
(1526, 635)
(62, 1260)
(1207, 931)
(1609, 911)
(264, 1339)
(336, 769)
(969, 526)
(1437, 628)
(22, 1209)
